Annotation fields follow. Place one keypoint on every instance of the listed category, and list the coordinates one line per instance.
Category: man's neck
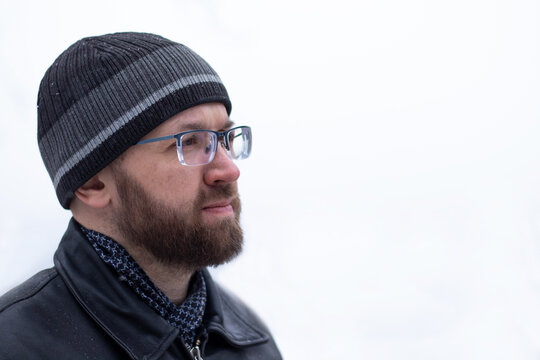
(173, 281)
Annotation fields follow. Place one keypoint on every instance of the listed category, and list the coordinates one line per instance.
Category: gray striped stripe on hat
(127, 116)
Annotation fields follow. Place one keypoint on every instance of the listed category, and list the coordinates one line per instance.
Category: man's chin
(217, 219)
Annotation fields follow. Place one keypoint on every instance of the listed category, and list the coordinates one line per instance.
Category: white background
(392, 203)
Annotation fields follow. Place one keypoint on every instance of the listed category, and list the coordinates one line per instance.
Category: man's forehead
(206, 116)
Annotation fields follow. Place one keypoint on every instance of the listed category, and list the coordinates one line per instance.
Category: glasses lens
(240, 142)
(196, 148)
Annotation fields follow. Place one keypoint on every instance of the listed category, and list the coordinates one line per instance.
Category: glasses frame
(219, 137)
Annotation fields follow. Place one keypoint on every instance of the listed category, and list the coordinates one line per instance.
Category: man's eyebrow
(228, 124)
(197, 126)
(190, 126)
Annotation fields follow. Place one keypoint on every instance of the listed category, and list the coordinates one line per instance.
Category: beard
(175, 235)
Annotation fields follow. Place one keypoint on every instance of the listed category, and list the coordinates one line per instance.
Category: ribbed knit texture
(187, 317)
(104, 93)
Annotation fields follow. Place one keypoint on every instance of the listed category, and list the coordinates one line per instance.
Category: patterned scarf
(187, 317)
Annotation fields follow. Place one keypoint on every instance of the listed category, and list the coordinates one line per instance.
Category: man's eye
(233, 136)
(189, 140)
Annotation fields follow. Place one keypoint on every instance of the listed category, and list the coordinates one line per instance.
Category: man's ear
(94, 193)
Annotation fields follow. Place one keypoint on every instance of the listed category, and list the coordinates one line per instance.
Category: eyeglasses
(198, 147)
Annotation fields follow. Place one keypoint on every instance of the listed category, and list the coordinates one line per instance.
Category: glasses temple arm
(156, 139)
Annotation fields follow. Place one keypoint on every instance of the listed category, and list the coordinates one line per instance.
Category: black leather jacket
(80, 310)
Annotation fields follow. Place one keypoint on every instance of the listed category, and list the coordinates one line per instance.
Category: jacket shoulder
(27, 289)
(24, 317)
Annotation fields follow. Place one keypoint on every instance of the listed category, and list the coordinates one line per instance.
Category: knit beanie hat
(104, 93)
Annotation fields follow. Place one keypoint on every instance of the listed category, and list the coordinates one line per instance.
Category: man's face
(182, 215)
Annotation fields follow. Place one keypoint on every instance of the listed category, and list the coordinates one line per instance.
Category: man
(134, 131)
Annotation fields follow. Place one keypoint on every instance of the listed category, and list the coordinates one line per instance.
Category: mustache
(226, 191)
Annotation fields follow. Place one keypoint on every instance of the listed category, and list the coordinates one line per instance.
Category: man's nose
(222, 170)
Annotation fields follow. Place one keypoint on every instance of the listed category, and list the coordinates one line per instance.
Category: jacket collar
(138, 329)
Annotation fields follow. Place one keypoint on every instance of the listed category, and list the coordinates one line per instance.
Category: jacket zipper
(195, 351)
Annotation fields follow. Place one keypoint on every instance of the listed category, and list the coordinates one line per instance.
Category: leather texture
(79, 309)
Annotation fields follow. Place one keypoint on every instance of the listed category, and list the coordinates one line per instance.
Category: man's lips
(219, 207)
